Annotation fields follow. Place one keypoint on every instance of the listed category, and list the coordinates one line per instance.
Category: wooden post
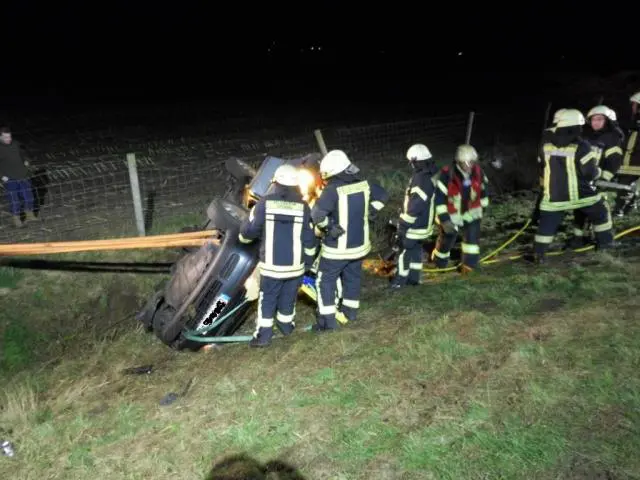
(546, 116)
(320, 139)
(469, 128)
(135, 193)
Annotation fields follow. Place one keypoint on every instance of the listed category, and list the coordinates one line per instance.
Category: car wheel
(148, 312)
(163, 326)
(226, 215)
(239, 169)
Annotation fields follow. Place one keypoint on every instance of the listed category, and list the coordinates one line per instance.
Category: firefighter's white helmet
(418, 152)
(635, 97)
(603, 110)
(466, 155)
(558, 114)
(333, 163)
(570, 117)
(286, 175)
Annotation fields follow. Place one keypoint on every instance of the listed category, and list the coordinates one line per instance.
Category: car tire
(239, 169)
(163, 326)
(226, 215)
(148, 312)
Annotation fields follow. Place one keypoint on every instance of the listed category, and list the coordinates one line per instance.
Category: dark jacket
(416, 219)
(607, 145)
(347, 201)
(631, 158)
(12, 159)
(570, 169)
(282, 220)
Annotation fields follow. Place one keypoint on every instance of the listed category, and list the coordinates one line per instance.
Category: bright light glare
(306, 181)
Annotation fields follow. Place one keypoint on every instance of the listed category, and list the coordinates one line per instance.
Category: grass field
(515, 372)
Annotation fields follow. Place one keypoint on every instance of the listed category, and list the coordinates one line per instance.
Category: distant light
(459, 54)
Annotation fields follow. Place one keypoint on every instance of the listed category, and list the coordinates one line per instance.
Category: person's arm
(309, 240)
(251, 229)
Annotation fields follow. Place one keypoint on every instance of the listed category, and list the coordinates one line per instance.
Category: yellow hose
(486, 260)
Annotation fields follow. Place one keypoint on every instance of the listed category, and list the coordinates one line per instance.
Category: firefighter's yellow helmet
(333, 163)
(466, 155)
(286, 175)
(635, 97)
(603, 110)
(570, 117)
(418, 152)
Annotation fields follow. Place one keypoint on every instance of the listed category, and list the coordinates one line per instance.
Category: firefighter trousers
(277, 300)
(598, 215)
(470, 245)
(350, 274)
(409, 263)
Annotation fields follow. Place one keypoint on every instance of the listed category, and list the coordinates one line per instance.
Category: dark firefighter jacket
(570, 168)
(283, 222)
(346, 202)
(460, 200)
(547, 135)
(631, 159)
(416, 219)
(12, 159)
(607, 145)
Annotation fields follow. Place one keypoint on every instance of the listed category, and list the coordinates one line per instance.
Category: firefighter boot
(285, 328)
(263, 338)
(30, 216)
(17, 222)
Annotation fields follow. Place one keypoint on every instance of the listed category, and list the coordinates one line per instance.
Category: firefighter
(342, 213)
(546, 134)
(288, 245)
(570, 170)
(416, 219)
(461, 195)
(606, 141)
(630, 170)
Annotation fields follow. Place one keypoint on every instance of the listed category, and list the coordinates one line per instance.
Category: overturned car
(212, 288)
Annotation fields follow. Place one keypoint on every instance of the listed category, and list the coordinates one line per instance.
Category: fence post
(467, 138)
(546, 116)
(320, 139)
(135, 193)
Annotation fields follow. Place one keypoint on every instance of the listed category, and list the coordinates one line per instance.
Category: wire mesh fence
(82, 186)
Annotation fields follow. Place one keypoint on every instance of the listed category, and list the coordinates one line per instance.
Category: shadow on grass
(72, 266)
(243, 467)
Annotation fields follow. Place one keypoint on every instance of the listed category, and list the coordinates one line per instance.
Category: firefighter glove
(335, 231)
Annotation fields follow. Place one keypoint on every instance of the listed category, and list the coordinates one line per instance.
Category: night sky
(412, 52)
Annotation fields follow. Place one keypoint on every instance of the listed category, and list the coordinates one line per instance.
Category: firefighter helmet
(333, 163)
(603, 110)
(466, 155)
(286, 175)
(570, 117)
(557, 115)
(418, 152)
(635, 97)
